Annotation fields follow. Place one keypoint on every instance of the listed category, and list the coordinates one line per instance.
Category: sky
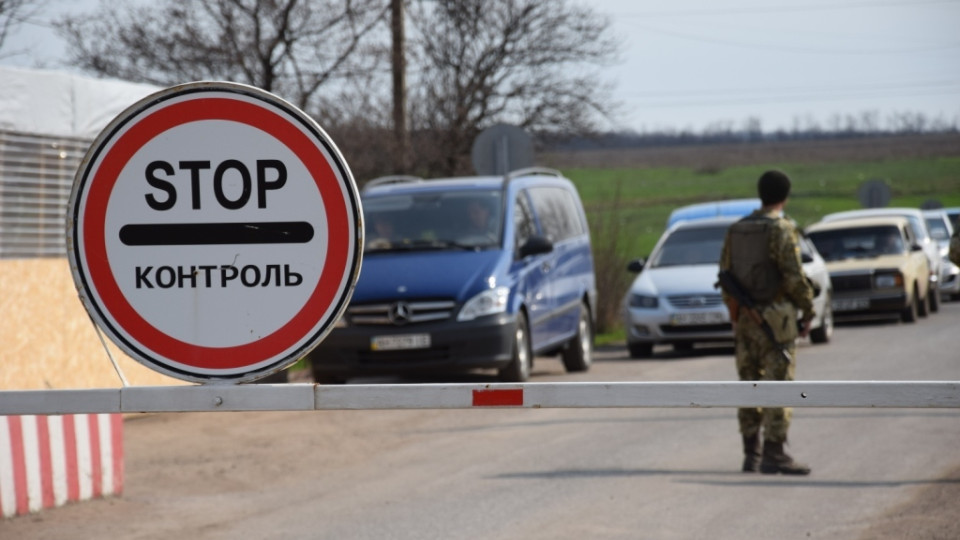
(696, 65)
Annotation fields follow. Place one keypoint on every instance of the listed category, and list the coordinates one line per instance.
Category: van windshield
(699, 245)
(433, 221)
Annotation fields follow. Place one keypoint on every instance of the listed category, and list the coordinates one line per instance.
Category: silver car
(941, 228)
(674, 300)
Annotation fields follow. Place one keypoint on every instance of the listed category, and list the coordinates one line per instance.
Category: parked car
(674, 299)
(877, 266)
(941, 228)
(479, 272)
(921, 235)
(727, 208)
(954, 214)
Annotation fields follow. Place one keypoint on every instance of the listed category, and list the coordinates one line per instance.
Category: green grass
(644, 198)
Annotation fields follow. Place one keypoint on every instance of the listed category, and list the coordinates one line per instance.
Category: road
(552, 473)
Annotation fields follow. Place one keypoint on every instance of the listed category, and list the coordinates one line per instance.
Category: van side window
(557, 212)
(523, 224)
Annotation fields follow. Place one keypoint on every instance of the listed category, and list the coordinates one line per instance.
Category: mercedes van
(466, 273)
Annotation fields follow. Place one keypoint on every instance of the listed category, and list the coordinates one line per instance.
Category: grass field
(642, 199)
(628, 206)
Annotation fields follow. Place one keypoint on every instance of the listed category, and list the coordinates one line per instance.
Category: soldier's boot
(775, 460)
(751, 453)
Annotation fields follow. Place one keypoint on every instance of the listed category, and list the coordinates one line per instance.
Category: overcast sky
(692, 64)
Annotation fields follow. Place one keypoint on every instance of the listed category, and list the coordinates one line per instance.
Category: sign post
(214, 232)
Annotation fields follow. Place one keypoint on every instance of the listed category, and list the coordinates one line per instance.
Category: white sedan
(674, 299)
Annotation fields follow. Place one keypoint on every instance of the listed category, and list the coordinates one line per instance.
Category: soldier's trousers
(759, 360)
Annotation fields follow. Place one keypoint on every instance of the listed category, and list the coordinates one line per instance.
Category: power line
(766, 8)
(788, 48)
(768, 99)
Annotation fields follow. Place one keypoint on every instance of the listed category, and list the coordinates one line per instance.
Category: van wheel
(824, 332)
(909, 313)
(325, 377)
(518, 370)
(578, 354)
(640, 350)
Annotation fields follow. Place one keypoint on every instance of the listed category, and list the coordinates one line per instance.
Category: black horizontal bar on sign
(204, 234)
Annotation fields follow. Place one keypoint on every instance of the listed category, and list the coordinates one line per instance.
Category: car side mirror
(535, 245)
(806, 258)
(636, 265)
(916, 247)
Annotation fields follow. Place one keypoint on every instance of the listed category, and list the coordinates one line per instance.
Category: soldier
(955, 246)
(762, 252)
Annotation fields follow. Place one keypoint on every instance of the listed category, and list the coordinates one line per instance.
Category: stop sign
(214, 232)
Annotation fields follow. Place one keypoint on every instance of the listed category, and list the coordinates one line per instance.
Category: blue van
(464, 273)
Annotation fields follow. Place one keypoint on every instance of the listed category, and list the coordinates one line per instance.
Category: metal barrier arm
(304, 397)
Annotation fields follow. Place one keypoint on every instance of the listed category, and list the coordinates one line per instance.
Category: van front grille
(401, 313)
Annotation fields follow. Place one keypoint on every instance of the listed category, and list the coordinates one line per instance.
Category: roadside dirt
(922, 518)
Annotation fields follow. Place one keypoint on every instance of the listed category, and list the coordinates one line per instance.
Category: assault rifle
(730, 285)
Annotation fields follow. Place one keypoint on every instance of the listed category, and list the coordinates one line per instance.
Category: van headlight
(489, 302)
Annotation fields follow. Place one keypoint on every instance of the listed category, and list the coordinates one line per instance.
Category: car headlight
(643, 301)
(888, 281)
(489, 302)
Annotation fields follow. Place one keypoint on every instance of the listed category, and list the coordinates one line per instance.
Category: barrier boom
(304, 397)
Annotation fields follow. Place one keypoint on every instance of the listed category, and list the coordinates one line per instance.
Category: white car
(941, 228)
(674, 299)
(919, 225)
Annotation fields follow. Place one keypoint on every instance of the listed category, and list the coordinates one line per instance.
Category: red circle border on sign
(94, 234)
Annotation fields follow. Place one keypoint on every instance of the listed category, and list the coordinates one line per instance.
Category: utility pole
(398, 65)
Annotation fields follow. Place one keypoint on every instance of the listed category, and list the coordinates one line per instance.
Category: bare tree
(525, 62)
(14, 13)
(289, 47)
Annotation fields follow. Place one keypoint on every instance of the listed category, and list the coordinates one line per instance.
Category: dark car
(464, 273)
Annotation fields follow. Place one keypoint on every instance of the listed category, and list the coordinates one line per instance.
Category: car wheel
(518, 370)
(640, 350)
(578, 355)
(922, 305)
(909, 313)
(824, 332)
(933, 295)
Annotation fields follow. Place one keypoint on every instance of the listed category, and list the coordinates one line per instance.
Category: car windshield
(695, 245)
(938, 228)
(433, 221)
(858, 242)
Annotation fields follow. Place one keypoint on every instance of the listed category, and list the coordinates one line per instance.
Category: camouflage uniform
(757, 358)
(955, 246)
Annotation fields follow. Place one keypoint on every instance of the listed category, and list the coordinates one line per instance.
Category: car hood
(871, 263)
(670, 280)
(424, 274)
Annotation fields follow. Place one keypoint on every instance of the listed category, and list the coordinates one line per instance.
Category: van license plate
(400, 342)
(704, 317)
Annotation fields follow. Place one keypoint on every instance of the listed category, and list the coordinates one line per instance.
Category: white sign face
(214, 232)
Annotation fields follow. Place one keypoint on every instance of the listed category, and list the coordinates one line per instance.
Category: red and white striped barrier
(47, 461)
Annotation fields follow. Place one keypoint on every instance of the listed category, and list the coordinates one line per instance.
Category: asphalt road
(552, 473)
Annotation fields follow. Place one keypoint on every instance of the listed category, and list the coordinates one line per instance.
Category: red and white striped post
(47, 461)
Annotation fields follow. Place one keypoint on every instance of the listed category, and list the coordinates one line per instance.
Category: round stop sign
(214, 232)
